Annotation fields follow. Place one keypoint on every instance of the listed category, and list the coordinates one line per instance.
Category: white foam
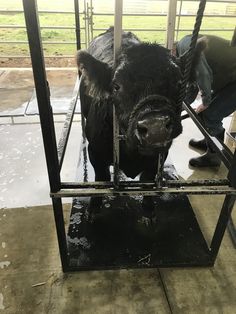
(4, 264)
(2, 307)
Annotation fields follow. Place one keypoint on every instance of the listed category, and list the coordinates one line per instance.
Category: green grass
(99, 22)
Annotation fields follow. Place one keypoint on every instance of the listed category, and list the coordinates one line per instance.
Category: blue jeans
(222, 105)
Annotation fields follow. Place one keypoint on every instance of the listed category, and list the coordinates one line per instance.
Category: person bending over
(215, 75)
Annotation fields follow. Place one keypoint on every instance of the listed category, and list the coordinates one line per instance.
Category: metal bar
(132, 192)
(117, 26)
(159, 174)
(43, 42)
(232, 231)
(134, 29)
(179, 15)
(85, 24)
(222, 224)
(77, 25)
(224, 153)
(42, 92)
(91, 18)
(51, 56)
(116, 147)
(88, 26)
(137, 184)
(61, 235)
(171, 16)
(127, 29)
(41, 27)
(163, 29)
(232, 171)
(162, 14)
(39, 11)
(233, 40)
(62, 144)
(116, 129)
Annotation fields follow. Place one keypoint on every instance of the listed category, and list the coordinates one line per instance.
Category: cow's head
(144, 86)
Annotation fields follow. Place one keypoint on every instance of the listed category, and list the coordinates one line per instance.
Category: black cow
(143, 84)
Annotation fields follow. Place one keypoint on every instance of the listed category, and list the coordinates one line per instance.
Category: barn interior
(31, 277)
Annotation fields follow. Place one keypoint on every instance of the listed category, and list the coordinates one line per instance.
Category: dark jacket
(216, 67)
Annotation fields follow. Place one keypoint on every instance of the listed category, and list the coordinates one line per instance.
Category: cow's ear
(97, 74)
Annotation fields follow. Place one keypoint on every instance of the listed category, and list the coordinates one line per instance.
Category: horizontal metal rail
(124, 14)
(198, 190)
(162, 14)
(40, 11)
(44, 42)
(163, 29)
(131, 184)
(41, 27)
(46, 57)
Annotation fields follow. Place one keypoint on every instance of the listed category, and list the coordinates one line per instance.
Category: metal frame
(54, 156)
(89, 14)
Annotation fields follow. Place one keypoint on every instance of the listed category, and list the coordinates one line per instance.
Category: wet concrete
(17, 90)
(23, 172)
(31, 280)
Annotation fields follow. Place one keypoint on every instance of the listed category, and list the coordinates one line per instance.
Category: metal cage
(164, 253)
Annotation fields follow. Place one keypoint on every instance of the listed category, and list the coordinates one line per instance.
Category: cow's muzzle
(153, 125)
(154, 131)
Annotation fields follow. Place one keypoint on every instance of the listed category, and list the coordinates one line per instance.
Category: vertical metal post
(232, 172)
(78, 45)
(117, 26)
(91, 18)
(77, 25)
(46, 119)
(170, 34)
(160, 166)
(116, 148)
(85, 24)
(233, 40)
(222, 224)
(88, 24)
(61, 235)
(179, 17)
(116, 131)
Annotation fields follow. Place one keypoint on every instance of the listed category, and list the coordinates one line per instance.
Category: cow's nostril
(168, 125)
(142, 129)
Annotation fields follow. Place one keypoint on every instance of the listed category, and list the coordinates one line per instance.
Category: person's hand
(200, 108)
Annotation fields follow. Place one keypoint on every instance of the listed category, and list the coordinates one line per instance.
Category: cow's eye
(116, 87)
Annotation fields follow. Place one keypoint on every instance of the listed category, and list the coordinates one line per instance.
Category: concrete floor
(31, 280)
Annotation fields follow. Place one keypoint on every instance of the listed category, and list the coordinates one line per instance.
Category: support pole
(222, 224)
(117, 26)
(116, 131)
(172, 5)
(46, 120)
(77, 25)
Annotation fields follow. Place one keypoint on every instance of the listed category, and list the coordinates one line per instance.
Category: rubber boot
(198, 144)
(210, 158)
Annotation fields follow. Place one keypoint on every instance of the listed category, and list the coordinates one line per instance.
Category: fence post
(171, 23)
